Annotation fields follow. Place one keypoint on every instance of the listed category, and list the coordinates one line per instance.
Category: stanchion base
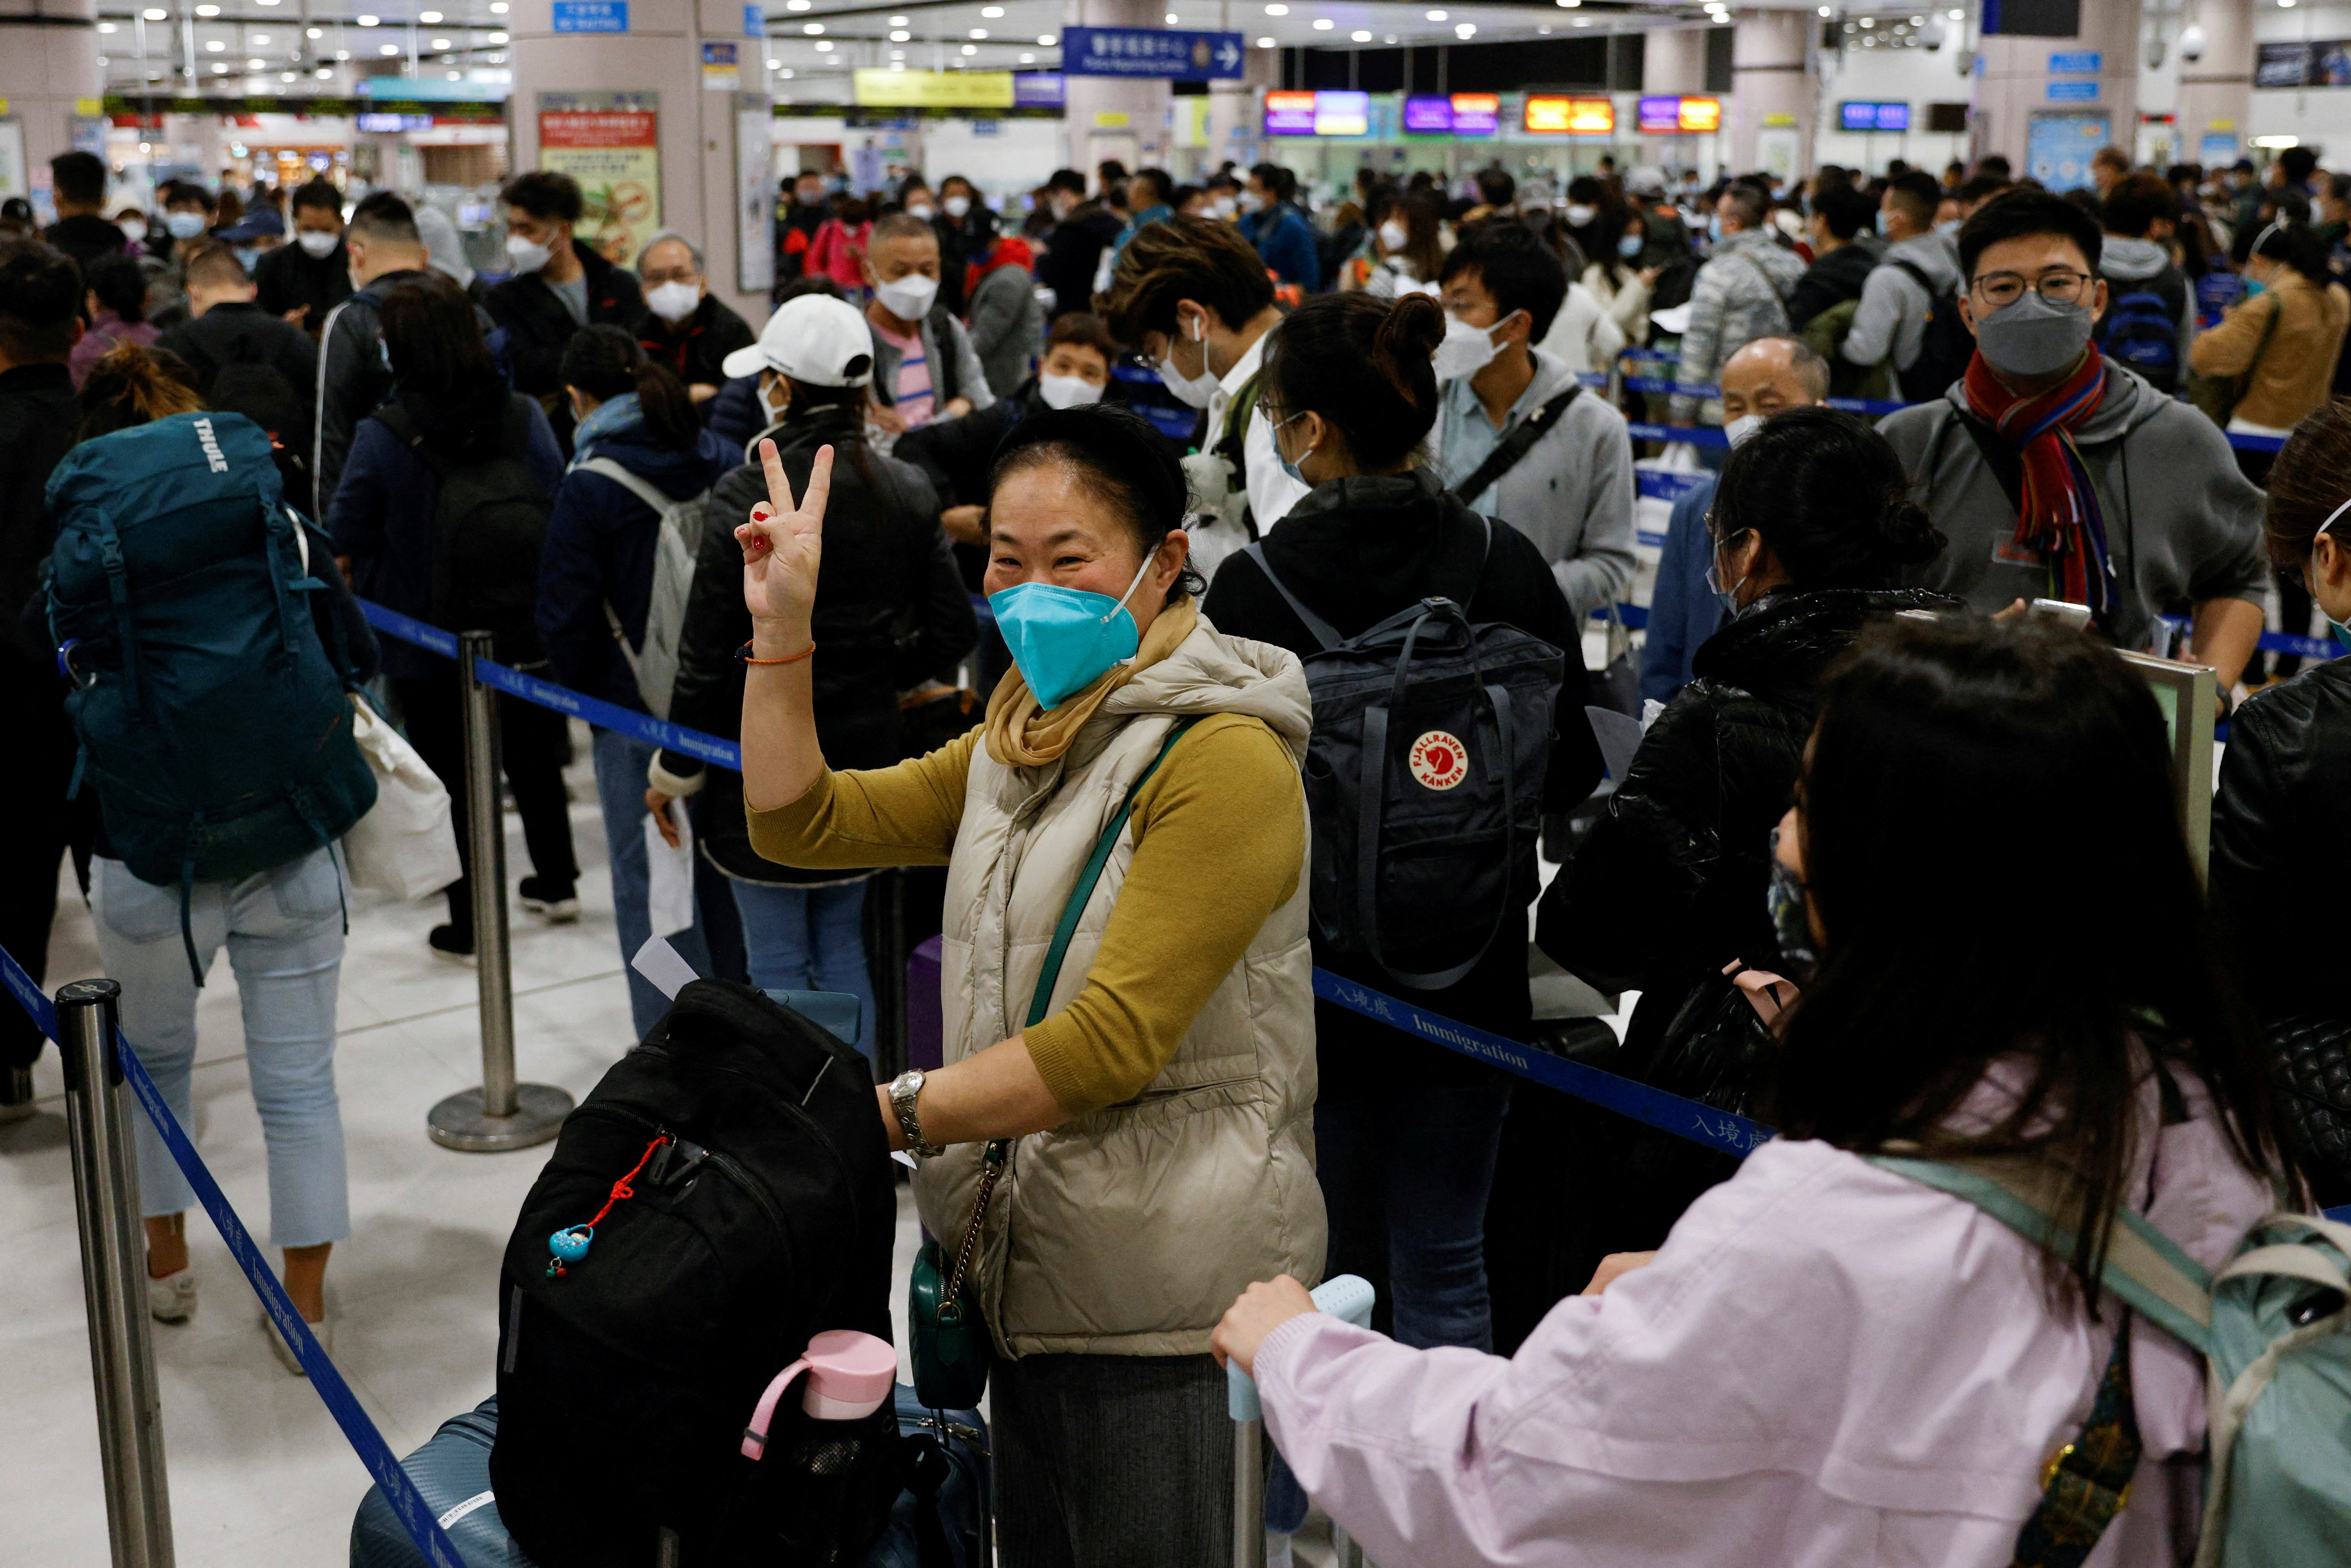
(458, 1123)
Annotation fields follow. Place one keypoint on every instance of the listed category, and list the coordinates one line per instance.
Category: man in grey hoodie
(2138, 216)
(2182, 525)
(1739, 295)
(1896, 297)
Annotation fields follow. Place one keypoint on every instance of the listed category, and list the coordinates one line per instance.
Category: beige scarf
(1021, 735)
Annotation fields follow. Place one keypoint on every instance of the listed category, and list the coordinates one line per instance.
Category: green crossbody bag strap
(1049, 975)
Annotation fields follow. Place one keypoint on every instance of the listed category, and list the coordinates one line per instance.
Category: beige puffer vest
(1129, 1230)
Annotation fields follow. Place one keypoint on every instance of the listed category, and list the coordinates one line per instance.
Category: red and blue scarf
(2058, 521)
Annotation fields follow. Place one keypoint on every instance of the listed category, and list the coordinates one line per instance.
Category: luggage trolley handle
(1349, 1298)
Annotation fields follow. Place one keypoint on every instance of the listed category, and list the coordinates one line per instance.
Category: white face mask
(1066, 391)
(184, 225)
(315, 244)
(1224, 207)
(1467, 350)
(1579, 213)
(1392, 236)
(908, 297)
(527, 254)
(1194, 391)
(133, 229)
(672, 301)
(956, 205)
(1250, 201)
(1739, 429)
(922, 210)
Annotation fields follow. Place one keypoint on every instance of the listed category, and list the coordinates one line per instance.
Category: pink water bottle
(849, 1376)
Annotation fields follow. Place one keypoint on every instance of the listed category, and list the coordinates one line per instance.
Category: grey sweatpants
(1112, 1459)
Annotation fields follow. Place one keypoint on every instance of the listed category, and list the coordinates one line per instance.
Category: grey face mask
(2033, 337)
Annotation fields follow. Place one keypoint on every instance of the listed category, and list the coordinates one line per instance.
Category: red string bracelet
(744, 654)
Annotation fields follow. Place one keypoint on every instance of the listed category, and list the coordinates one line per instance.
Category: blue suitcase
(940, 1520)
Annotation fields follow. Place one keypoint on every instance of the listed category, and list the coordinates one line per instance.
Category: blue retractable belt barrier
(415, 1516)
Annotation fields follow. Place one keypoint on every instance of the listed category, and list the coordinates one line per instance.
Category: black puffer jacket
(2279, 865)
(891, 612)
(1356, 551)
(1671, 881)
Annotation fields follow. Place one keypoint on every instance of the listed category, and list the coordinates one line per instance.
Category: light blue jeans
(284, 931)
(809, 939)
(621, 787)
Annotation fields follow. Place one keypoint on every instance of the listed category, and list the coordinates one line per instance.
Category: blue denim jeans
(283, 932)
(1426, 1155)
(809, 939)
(620, 788)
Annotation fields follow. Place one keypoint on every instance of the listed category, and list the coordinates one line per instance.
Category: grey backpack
(1424, 784)
(2274, 1326)
(677, 534)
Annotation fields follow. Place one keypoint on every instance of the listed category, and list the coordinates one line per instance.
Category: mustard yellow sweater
(1220, 841)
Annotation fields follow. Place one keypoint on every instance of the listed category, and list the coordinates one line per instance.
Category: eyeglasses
(2057, 287)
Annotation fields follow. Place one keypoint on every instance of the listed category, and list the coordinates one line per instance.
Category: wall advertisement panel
(610, 142)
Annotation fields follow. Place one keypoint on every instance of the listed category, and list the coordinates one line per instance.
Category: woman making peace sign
(1160, 1087)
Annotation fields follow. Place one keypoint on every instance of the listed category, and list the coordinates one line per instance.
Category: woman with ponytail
(1351, 393)
(1812, 528)
(637, 439)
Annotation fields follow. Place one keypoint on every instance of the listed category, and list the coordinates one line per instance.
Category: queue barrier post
(502, 1113)
(1348, 1298)
(114, 1279)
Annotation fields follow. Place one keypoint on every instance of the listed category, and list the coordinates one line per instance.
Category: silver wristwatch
(904, 1090)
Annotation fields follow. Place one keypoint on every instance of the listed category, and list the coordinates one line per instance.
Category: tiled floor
(260, 1477)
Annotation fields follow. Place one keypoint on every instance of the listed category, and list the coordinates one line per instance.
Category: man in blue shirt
(1763, 378)
(1146, 203)
(1273, 223)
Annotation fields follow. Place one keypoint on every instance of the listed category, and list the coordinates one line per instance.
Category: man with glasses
(2058, 474)
(684, 326)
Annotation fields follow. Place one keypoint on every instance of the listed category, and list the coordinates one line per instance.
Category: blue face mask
(1630, 247)
(1289, 466)
(1063, 639)
(250, 258)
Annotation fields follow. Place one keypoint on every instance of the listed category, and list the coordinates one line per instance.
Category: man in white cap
(886, 556)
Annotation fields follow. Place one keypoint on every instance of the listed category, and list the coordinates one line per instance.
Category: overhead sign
(592, 15)
(2085, 63)
(1680, 116)
(1557, 114)
(1318, 114)
(1168, 54)
(2324, 62)
(1455, 114)
(754, 24)
(1038, 90)
(933, 89)
(1857, 115)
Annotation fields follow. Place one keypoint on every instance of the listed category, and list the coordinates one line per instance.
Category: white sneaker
(323, 1330)
(173, 1298)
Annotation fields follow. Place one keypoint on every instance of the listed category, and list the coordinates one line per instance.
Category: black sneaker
(445, 943)
(541, 898)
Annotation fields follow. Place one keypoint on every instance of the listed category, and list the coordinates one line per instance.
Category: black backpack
(1944, 348)
(1424, 783)
(750, 1207)
(488, 527)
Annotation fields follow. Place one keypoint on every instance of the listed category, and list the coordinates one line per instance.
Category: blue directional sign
(1166, 53)
(2072, 92)
(592, 15)
(2083, 64)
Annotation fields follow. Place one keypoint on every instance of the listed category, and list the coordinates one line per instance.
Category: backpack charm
(570, 1245)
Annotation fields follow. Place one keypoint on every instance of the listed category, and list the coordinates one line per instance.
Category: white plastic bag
(407, 846)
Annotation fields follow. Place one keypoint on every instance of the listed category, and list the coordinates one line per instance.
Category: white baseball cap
(813, 339)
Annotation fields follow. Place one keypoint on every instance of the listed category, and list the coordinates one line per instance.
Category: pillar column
(1673, 60)
(699, 69)
(1774, 93)
(1124, 118)
(2216, 92)
(1236, 120)
(49, 74)
(2015, 82)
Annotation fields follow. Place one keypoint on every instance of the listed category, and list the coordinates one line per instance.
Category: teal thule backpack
(213, 717)
(2274, 1329)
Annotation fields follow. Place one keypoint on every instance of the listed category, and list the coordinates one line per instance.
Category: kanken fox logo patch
(1439, 760)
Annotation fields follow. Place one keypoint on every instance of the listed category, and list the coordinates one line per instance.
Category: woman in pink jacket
(1828, 1364)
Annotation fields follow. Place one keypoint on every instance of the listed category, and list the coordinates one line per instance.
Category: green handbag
(947, 1337)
